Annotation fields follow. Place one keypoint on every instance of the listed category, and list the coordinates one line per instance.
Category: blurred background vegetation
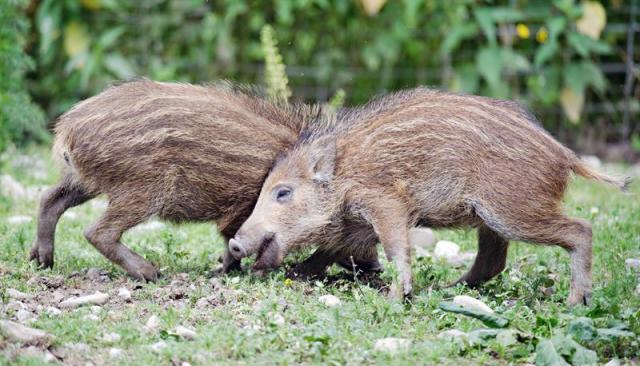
(573, 63)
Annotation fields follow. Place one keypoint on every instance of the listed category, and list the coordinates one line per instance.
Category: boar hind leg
(365, 261)
(105, 235)
(490, 260)
(313, 267)
(53, 204)
(548, 226)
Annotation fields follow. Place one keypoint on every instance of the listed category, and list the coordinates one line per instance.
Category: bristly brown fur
(426, 158)
(178, 151)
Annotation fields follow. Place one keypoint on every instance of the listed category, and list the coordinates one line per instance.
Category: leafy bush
(20, 119)
(545, 54)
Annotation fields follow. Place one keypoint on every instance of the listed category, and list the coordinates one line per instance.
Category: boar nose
(237, 250)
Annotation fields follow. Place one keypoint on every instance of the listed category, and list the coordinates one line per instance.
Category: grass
(250, 320)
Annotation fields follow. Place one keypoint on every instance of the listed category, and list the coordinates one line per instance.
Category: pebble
(53, 311)
(452, 334)
(469, 302)
(115, 352)
(24, 316)
(613, 362)
(185, 332)
(392, 345)
(330, 300)
(95, 274)
(18, 220)
(422, 238)
(111, 338)
(18, 295)
(446, 249)
(124, 293)
(158, 346)
(153, 323)
(633, 263)
(461, 259)
(19, 333)
(98, 298)
(15, 305)
(277, 319)
(91, 317)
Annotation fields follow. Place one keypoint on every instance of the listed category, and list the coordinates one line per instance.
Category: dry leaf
(372, 7)
(572, 104)
(593, 20)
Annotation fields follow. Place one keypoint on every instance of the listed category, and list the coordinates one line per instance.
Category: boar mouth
(267, 256)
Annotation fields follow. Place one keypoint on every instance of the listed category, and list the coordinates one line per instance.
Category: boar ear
(323, 161)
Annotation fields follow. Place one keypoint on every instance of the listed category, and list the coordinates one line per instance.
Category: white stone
(115, 352)
(91, 317)
(461, 259)
(53, 311)
(452, 334)
(446, 249)
(185, 363)
(94, 274)
(150, 226)
(613, 362)
(185, 332)
(469, 302)
(24, 316)
(124, 293)
(49, 357)
(158, 346)
(277, 319)
(18, 295)
(633, 263)
(422, 238)
(111, 337)
(330, 300)
(594, 210)
(392, 345)
(98, 298)
(592, 160)
(18, 220)
(153, 323)
(19, 333)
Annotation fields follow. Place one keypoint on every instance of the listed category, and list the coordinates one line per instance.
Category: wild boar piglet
(180, 152)
(423, 158)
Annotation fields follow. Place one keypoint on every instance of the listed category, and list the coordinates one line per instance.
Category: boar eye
(283, 194)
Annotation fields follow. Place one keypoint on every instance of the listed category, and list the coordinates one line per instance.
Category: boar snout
(244, 245)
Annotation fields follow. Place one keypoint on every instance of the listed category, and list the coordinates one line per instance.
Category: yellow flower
(523, 31)
(288, 282)
(542, 35)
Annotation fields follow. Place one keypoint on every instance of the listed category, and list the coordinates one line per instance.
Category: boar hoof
(580, 299)
(43, 258)
(146, 273)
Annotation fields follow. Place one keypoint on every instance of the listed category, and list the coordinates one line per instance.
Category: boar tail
(586, 171)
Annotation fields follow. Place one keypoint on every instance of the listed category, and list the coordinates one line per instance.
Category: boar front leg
(105, 235)
(390, 221)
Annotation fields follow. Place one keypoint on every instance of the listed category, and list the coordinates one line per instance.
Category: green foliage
(20, 120)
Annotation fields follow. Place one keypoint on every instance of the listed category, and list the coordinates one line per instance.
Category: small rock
(613, 362)
(18, 220)
(24, 316)
(49, 282)
(422, 238)
(94, 274)
(98, 298)
(15, 305)
(215, 283)
(461, 259)
(111, 338)
(185, 363)
(452, 334)
(446, 249)
(330, 300)
(633, 263)
(185, 332)
(124, 293)
(422, 253)
(115, 352)
(53, 311)
(19, 333)
(158, 347)
(469, 302)
(153, 323)
(392, 345)
(49, 357)
(277, 319)
(594, 211)
(18, 295)
(91, 317)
